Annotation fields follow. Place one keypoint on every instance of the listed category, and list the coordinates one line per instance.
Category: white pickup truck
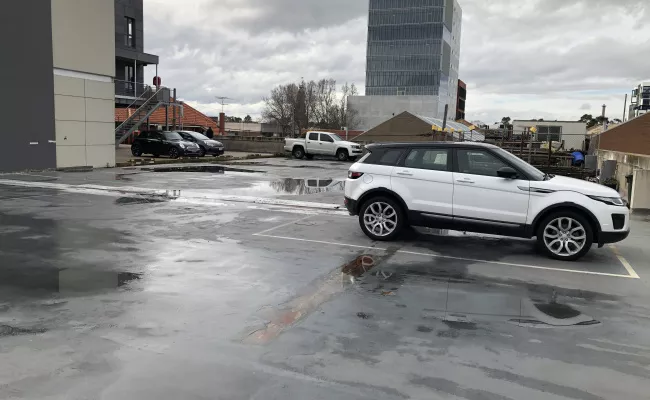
(325, 144)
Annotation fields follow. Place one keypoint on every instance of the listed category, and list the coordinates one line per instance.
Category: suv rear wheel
(565, 235)
(382, 218)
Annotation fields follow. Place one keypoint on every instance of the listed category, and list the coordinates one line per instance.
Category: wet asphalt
(131, 297)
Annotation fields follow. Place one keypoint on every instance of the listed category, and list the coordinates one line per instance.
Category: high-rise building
(412, 59)
(640, 100)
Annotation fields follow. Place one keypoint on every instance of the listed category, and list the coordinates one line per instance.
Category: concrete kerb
(192, 160)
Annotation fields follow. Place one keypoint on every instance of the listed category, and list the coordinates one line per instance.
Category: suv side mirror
(507, 173)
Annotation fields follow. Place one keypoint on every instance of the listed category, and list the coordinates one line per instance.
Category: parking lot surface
(229, 286)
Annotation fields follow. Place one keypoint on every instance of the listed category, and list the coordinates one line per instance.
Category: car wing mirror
(507, 173)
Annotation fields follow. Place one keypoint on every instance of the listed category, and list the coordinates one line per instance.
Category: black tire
(309, 156)
(298, 152)
(400, 220)
(136, 150)
(156, 155)
(342, 155)
(174, 153)
(353, 159)
(202, 152)
(544, 227)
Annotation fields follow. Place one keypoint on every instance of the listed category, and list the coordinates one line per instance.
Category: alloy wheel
(380, 219)
(565, 236)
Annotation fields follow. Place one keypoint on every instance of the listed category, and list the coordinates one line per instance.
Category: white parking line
(632, 274)
(626, 264)
(282, 226)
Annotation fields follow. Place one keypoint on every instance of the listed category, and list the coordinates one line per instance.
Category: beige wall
(626, 164)
(83, 41)
(641, 190)
(85, 123)
(83, 35)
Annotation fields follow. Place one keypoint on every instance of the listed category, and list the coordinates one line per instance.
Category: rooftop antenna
(222, 101)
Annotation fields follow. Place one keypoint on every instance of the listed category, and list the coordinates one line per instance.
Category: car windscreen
(198, 136)
(522, 165)
(173, 136)
(336, 138)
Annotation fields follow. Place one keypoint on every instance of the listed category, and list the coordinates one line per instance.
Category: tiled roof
(191, 117)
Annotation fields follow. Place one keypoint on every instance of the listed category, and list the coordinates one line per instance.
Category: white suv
(480, 188)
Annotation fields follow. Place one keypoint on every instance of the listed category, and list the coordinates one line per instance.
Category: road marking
(626, 264)
(282, 226)
(321, 241)
(575, 271)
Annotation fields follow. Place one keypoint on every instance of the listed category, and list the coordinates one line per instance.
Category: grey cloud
(291, 15)
(243, 48)
(585, 106)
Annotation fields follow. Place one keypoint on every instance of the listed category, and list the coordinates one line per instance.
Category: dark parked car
(207, 145)
(168, 143)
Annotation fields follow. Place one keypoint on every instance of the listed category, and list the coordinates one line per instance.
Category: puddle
(64, 281)
(6, 330)
(284, 187)
(359, 266)
(126, 201)
(306, 186)
(213, 169)
(553, 314)
(559, 311)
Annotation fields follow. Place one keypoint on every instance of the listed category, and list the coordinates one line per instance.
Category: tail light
(354, 175)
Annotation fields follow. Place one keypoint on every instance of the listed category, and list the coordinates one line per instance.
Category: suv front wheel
(381, 218)
(565, 235)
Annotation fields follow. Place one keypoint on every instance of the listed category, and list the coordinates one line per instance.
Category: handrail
(146, 103)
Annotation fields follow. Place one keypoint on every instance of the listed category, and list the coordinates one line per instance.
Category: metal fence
(130, 89)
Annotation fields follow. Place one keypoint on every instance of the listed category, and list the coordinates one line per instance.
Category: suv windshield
(522, 165)
(198, 136)
(173, 136)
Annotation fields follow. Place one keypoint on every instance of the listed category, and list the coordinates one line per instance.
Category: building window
(129, 37)
(546, 133)
(129, 79)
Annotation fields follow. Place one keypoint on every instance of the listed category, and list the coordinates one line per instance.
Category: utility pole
(624, 108)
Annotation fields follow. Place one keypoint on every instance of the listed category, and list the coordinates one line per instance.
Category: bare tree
(311, 104)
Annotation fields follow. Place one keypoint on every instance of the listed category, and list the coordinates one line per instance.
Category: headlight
(612, 201)
(182, 145)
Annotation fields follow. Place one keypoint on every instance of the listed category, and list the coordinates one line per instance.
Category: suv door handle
(465, 180)
(405, 173)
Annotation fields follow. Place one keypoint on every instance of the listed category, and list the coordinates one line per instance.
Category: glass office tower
(414, 49)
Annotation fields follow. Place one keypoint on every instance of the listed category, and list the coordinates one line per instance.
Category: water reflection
(307, 186)
(64, 281)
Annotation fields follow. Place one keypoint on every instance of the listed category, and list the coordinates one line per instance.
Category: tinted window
(479, 162)
(155, 135)
(390, 157)
(326, 138)
(199, 136)
(382, 156)
(313, 136)
(431, 159)
(172, 136)
(143, 135)
(521, 165)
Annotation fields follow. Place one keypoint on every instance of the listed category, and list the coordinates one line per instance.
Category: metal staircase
(151, 100)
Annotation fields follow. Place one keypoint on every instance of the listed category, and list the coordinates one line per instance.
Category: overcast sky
(551, 59)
